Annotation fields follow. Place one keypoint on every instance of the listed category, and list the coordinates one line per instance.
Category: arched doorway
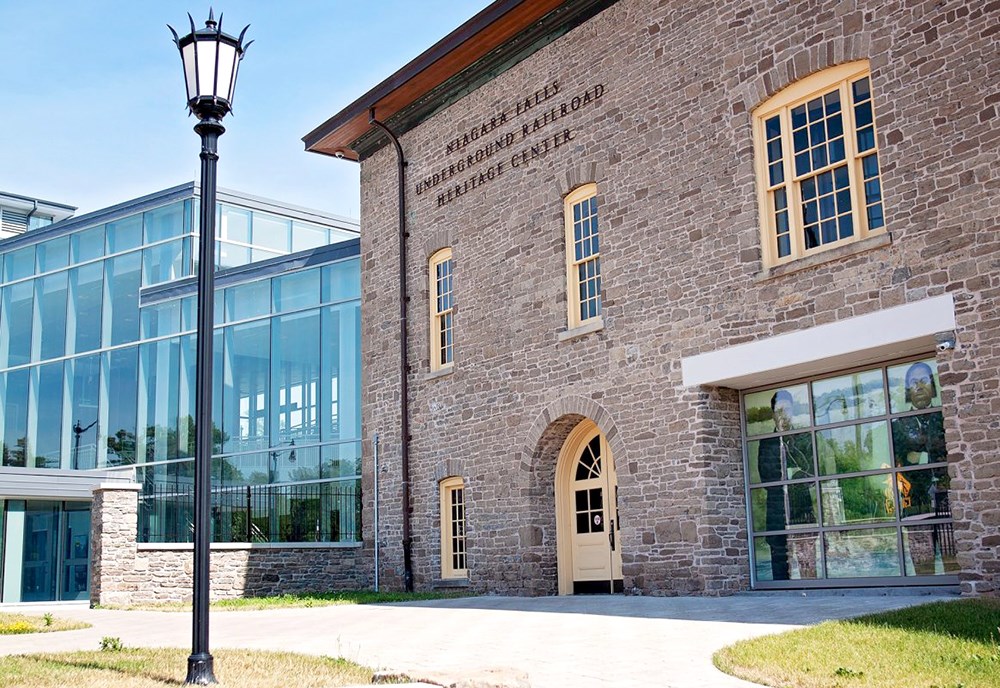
(587, 524)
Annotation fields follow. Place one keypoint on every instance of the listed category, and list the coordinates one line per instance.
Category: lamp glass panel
(190, 77)
(227, 58)
(206, 67)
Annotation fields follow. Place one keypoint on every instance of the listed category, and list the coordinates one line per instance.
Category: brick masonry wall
(670, 145)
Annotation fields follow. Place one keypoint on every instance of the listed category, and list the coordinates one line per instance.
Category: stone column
(114, 520)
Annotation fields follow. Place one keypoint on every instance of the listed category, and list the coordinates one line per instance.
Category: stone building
(772, 363)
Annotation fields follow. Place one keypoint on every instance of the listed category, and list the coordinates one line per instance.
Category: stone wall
(126, 573)
(669, 143)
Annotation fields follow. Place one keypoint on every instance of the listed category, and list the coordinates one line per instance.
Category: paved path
(582, 642)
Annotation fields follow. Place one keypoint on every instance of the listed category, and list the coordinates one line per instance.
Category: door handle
(611, 535)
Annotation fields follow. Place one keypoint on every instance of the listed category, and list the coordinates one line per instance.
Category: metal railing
(310, 512)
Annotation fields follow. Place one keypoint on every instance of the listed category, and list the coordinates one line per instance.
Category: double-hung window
(442, 310)
(818, 165)
(583, 256)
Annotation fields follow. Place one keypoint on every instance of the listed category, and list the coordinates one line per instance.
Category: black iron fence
(311, 512)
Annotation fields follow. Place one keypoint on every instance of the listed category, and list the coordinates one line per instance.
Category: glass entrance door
(47, 551)
(75, 552)
(39, 567)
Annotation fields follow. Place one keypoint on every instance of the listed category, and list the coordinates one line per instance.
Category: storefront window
(848, 477)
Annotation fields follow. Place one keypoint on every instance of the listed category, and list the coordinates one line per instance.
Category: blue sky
(92, 93)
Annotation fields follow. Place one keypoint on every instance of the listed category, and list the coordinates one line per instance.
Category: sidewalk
(583, 642)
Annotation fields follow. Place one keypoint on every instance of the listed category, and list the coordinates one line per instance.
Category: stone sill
(451, 583)
(594, 325)
(839, 253)
(224, 546)
(439, 373)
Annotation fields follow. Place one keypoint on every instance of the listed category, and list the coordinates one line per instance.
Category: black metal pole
(200, 663)
(404, 364)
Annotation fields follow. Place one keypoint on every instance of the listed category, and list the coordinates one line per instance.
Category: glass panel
(124, 234)
(271, 233)
(776, 458)
(230, 255)
(15, 324)
(297, 290)
(308, 236)
(914, 386)
(47, 405)
(53, 255)
(853, 448)
(161, 319)
(159, 403)
(923, 494)
(87, 245)
(245, 387)
(83, 377)
(919, 439)
(84, 316)
(782, 507)
(776, 410)
(76, 553)
(341, 372)
(121, 371)
(165, 223)
(15, 418)
(851, 501)
(862, 553)
(259, 254)
(929, 550)
(39, 566)
(164, 262)
(849, 397)
(787, 557)
(234, 224)
(341, 460)
(248, 300)
(295, 375)
(342, 280)
(19, 264)
(121, 317)
(51, 294)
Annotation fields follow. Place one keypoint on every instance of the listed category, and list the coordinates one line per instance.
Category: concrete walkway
(583, 642)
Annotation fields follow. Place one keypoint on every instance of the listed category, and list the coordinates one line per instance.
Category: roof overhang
(482, 48)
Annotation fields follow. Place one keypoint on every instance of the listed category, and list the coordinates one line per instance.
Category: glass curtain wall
(848, 479)
(287, 409)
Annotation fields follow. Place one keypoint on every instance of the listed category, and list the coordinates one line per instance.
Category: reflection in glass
(15, 324)
(271, 233)
(15, 417)
(919, 439)
(924, 494)
(786, 557)
(164, 262)
(342, 280)
(929, 550)
(83, 385)
(124, 234)
(866, 499)
(789, 457)
(231, 255)
(87, 245)
(341, 394)
(308, 236)
(159, 404)
(48, 408)
(52, 255)
(914, 386)
(297, 290)
(234, 224)
(19, 264)
(776, 410)
(783, 506)
(245, 386)
(295, 375)
(166, 222)
(121, 300)
(249, 300)
(342, 460)
(51, 294)
(83, 319)
(161, 319)
(853, 448)
(848, 397)
(121, 370)
(862, 553)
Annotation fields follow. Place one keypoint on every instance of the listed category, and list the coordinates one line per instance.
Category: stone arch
(442, 238)
(553, 420)
(578, 175)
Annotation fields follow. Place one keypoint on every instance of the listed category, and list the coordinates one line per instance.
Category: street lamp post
(211, 59)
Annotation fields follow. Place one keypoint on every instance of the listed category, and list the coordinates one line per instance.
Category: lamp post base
(200, 670)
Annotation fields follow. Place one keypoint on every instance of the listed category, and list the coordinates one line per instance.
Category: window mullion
(795, 222)
(854, 168)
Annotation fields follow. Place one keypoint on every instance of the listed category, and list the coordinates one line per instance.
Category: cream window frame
(840, 77)
(449, 570)
(573, 301)
(440, 319)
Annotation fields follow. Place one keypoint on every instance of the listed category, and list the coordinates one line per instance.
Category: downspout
(404, 407)
(375, 489)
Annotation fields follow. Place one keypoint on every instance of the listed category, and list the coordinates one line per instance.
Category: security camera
(945, 341)
(339, 155)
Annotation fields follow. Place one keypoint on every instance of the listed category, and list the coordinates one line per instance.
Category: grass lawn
(154, 668)
(308, 599)
(14, 624)
(939, 645)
